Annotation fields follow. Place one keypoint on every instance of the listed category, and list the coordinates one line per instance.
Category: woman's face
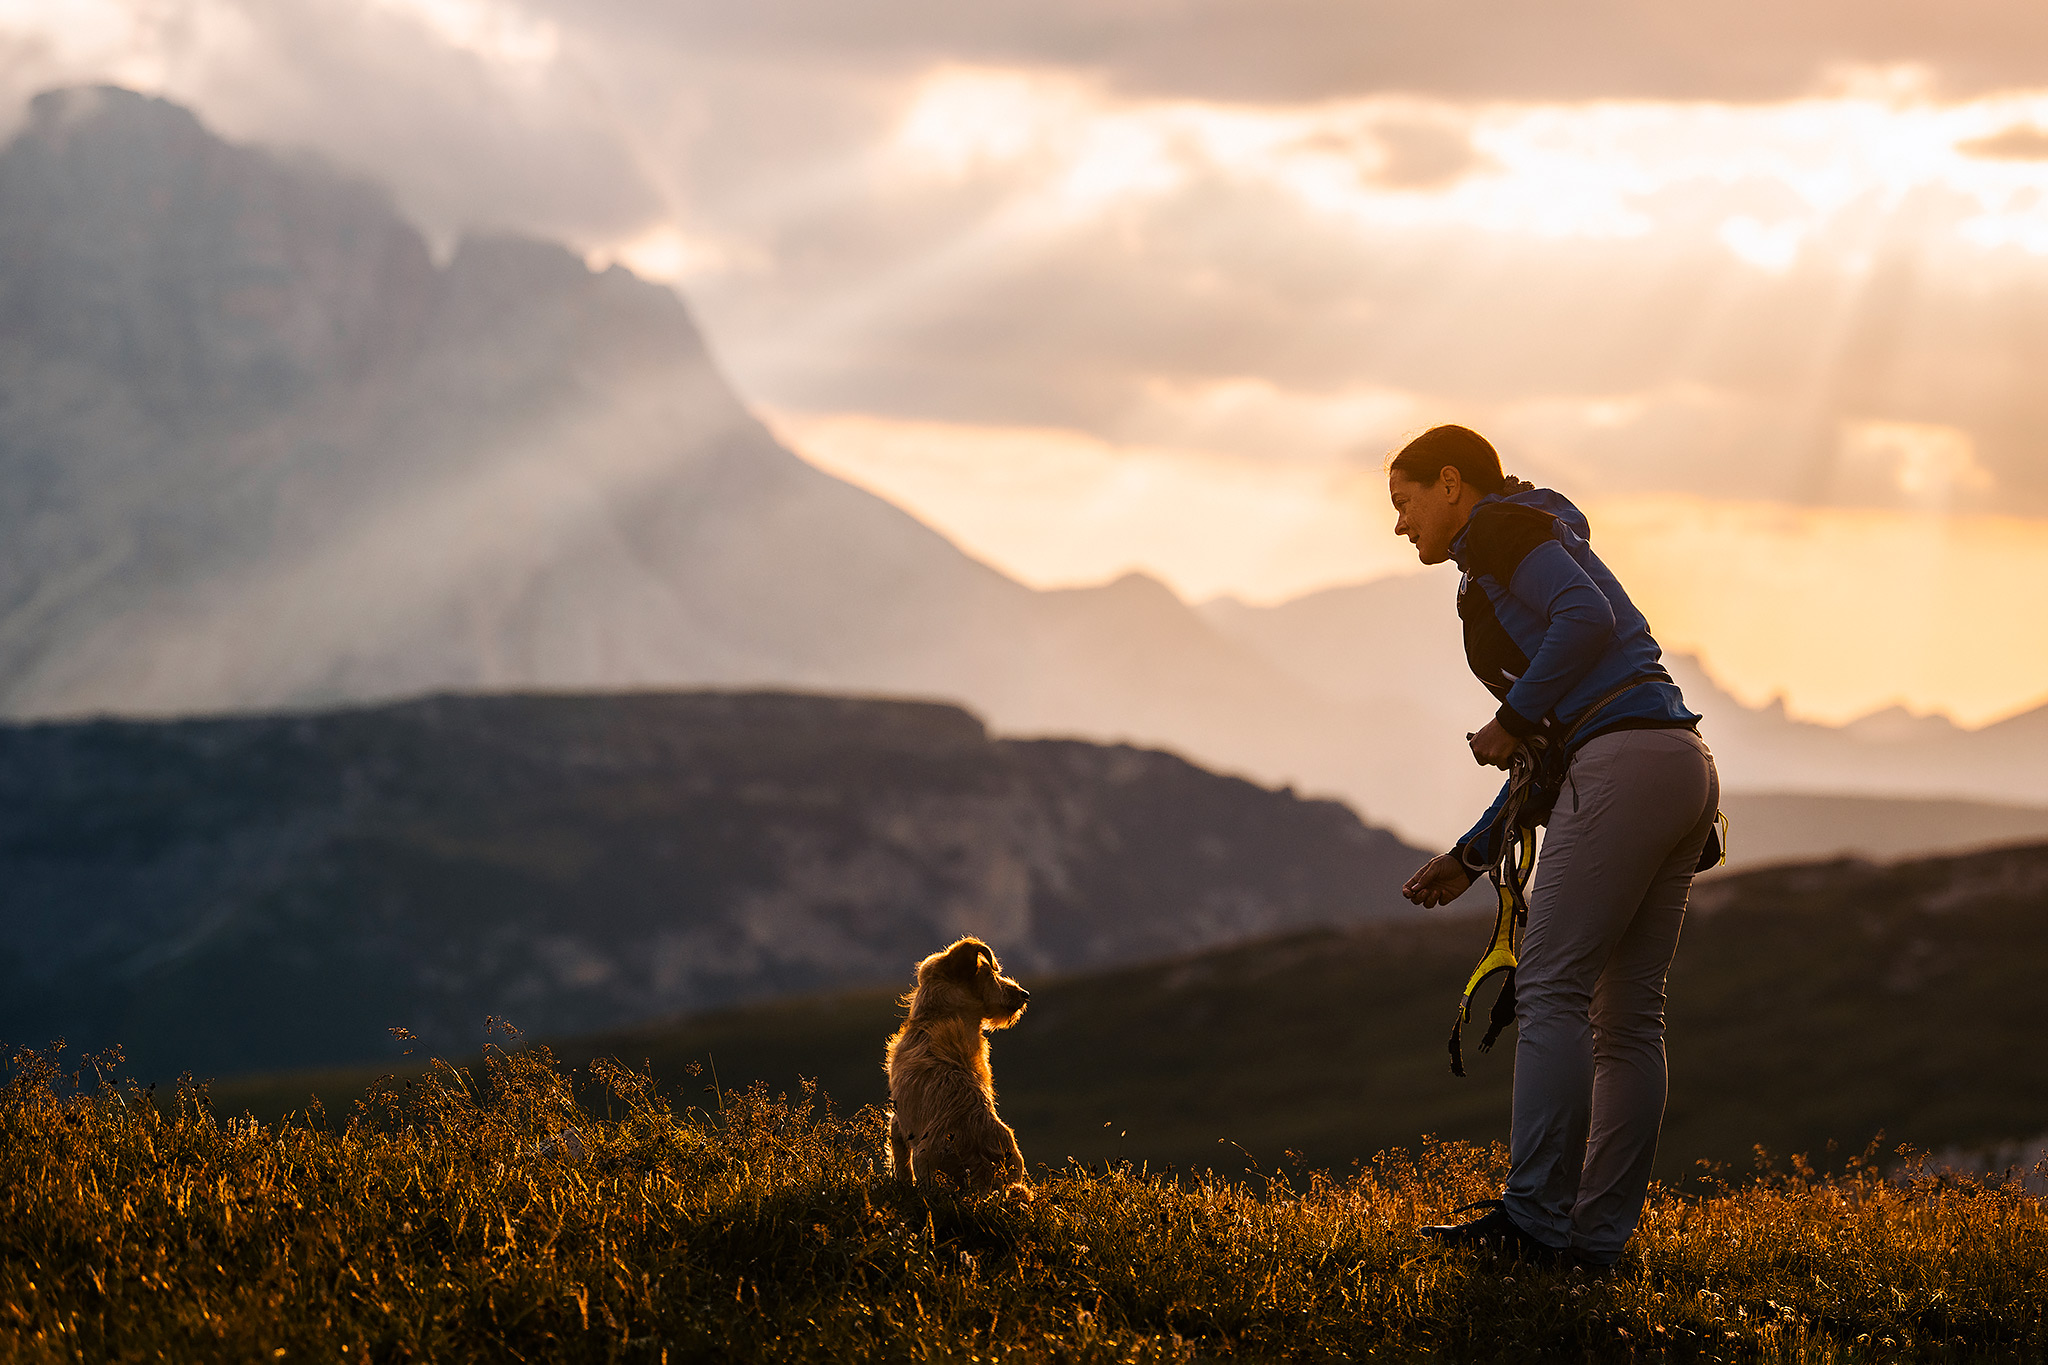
(1428, 514)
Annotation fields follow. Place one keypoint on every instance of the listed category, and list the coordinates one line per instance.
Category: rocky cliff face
(257, 448)
(277, 891)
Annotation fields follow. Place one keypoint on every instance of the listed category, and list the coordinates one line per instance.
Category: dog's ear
(963, 959)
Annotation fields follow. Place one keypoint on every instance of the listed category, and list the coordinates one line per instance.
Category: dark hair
(1463, 449)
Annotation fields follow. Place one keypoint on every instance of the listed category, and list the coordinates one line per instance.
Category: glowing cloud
(673, 256)
(1927, 463)
(494, 30)
(1597, 170)
(1083, 320)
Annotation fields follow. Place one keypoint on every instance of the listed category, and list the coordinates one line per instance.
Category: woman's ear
(1451, 481)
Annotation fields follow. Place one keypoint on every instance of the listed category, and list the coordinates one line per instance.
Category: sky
(1131, 284)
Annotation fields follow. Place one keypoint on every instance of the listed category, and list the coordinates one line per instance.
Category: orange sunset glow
(1871, 577)
(1771, 301)
(1927, 621)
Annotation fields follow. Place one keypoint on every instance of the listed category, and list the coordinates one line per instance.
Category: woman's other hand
(1440, 881)
(1493, 746)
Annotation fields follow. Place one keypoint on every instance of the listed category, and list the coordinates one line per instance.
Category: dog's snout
(1023, 994)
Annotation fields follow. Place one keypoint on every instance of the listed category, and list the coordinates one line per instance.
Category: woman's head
(1434, 483)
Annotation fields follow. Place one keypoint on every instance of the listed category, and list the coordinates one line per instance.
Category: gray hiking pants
(1604, 912)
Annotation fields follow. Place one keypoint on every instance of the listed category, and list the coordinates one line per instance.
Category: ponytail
(1459, 448)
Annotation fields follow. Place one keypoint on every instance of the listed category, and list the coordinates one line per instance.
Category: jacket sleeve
(1578, 623)
(1480, 849)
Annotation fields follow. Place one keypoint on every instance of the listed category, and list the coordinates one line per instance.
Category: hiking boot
(1497, 1233)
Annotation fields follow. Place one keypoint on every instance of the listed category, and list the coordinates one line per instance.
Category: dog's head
(967, 981)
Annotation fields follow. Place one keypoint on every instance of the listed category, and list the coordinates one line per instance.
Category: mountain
(1335, 642)
(268, 891)
(1780, 827)
(259, 449)
(1811, 1004)
(1394, 637)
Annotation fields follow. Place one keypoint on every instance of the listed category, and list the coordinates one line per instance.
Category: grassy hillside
(266, 892)
(430, 1227)
(1807, 1005)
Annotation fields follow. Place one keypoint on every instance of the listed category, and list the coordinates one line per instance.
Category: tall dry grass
(450, 1219)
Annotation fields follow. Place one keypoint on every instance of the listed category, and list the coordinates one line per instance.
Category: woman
(1552, 634)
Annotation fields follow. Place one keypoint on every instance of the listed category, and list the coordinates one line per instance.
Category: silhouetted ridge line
(252, 892)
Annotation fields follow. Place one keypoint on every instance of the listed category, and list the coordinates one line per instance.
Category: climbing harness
(1510, 876)
(1536, 776)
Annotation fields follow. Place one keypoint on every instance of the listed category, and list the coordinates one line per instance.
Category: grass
(425, 1223)
(1807, 1005)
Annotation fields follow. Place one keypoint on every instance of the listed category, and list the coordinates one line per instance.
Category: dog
(943, 1123)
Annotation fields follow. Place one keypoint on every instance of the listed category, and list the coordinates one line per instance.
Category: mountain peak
(108, 106)
(1133, 585)
(1895, 724)
(202, 276)
(256, 448)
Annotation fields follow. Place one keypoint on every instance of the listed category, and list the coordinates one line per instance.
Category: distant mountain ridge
(1782, 827)
(1327, 641)
(269, 891)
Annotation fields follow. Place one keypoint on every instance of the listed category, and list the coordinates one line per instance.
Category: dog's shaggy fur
(944, 1122)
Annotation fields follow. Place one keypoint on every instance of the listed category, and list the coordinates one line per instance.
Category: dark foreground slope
(264, 892)
(1808, 1004)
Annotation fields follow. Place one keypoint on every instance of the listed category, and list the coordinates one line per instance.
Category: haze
(1095, 287)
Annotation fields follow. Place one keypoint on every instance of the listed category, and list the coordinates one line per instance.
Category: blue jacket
(1566, 634)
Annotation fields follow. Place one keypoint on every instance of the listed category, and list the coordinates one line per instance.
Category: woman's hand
(1493, 746)
(1440, 881)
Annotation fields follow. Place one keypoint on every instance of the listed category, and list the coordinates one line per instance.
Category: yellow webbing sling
(1510, 875)
(1510, 882)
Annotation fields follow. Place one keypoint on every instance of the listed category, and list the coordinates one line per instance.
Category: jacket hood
(1523, 495)
(1546, 500)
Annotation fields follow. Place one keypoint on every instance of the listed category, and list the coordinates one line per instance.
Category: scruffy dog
(944, 1122)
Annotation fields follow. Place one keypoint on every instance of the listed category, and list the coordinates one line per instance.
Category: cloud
(1423, 155)
(1649, 296)
(2021, 142)
(466, 110)
(1044, 216)
(1785, 254)
(873, 213)
(1291, 51)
